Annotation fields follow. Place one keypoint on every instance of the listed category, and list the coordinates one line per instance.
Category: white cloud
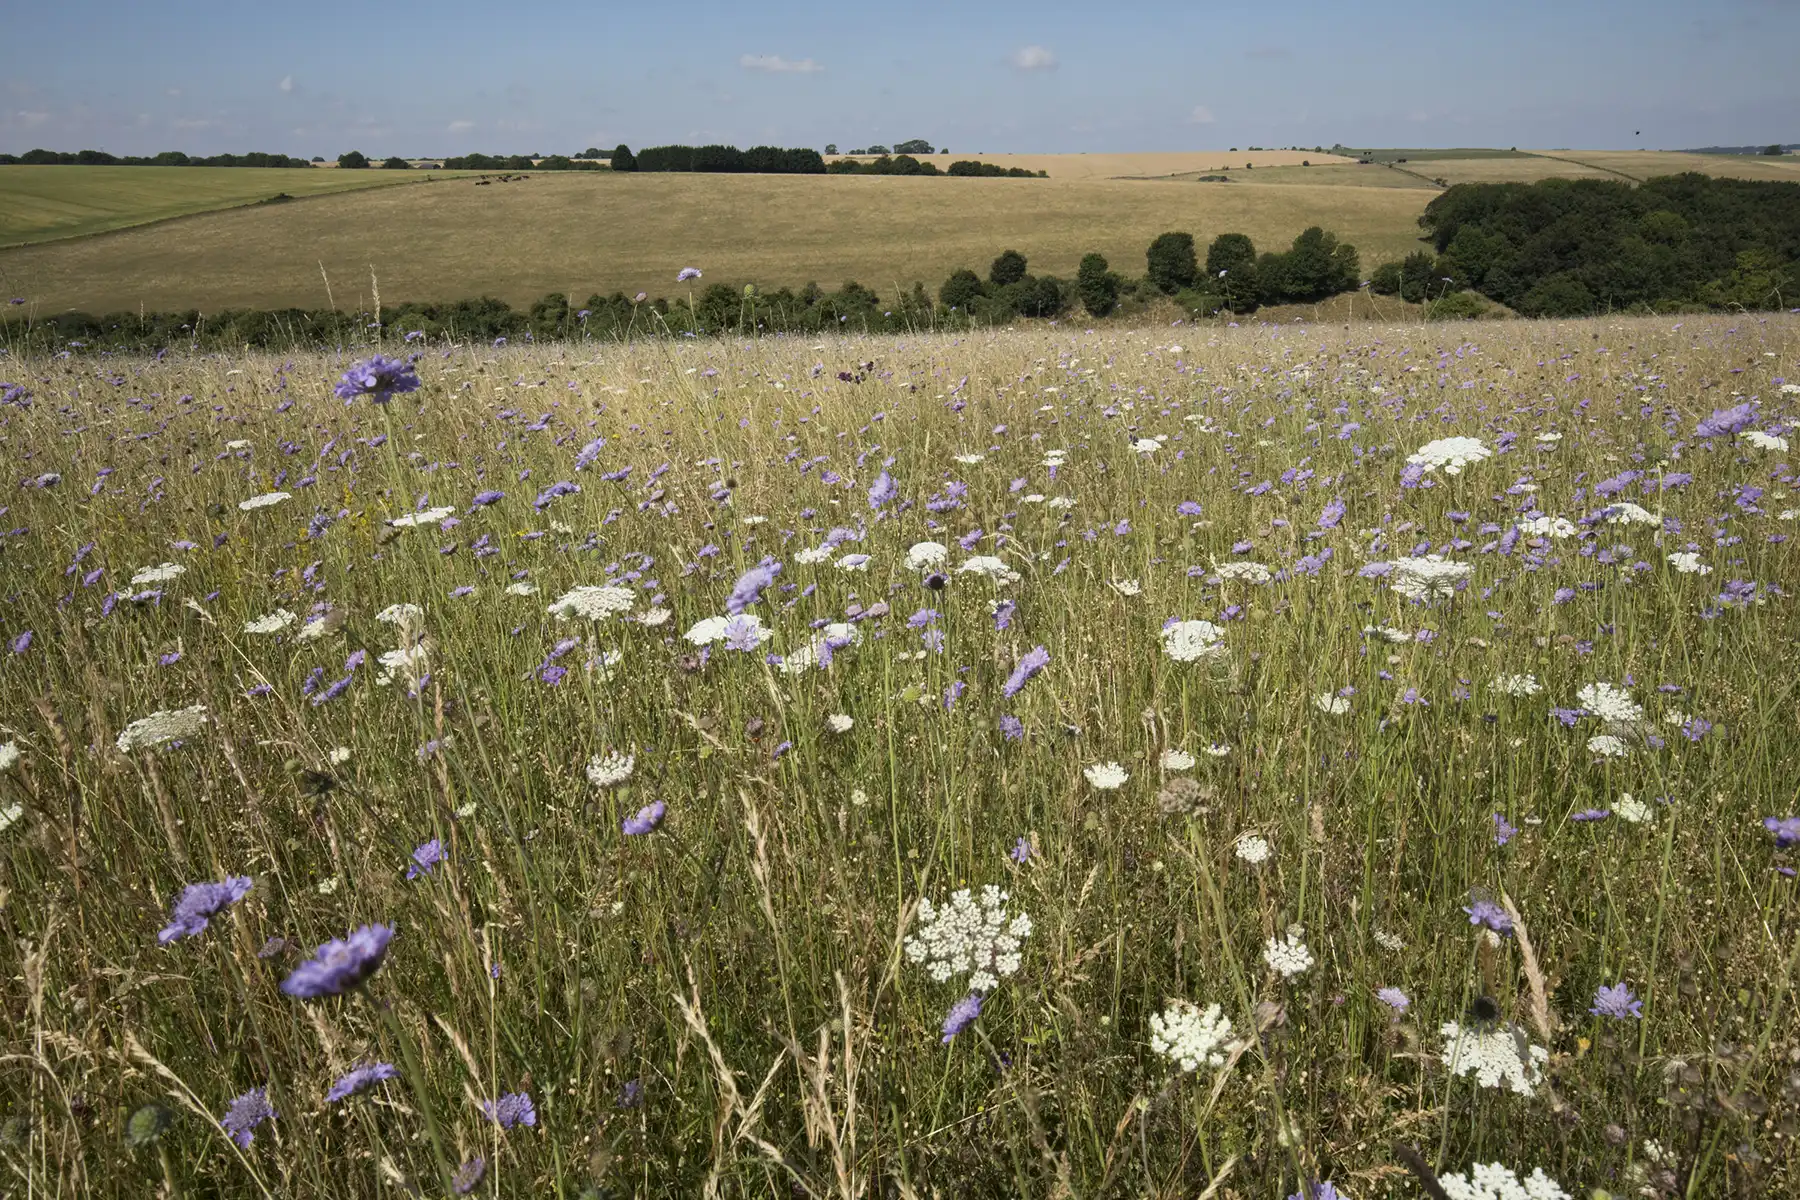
(1034, 58)
(31, 120)
(1201, 115)
(172, 92)
(287, 83)
(461, 126)
(775, 64)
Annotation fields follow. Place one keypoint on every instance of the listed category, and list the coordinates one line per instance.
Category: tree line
(1575, 247)
(168, 158)
(1235, 279)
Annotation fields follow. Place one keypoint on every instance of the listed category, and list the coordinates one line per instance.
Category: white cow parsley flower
(610, 770)
(1331, 705)
(163, 573)
(1190, 641)
(1249, 572)
(1106, 777)
(1688, 563)
(1517, 685)
(593, 602)
(1189, 1037)
(1450, 454)
(1177, 760)
(1491, 1181)
(1611, 704)
(925, 555)
(1764, 441)
(1499, 1057)
(990, 567)
(275, 622)
(969, 935)
(161, 727)
(1253, 849)
(1430, 576)
(266, 500)
(429, 516)
(1288, 956)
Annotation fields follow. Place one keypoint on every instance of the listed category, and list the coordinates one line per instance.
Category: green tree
(831, 147)
(1044, 297)
(1098, 286)
(916, 146)
(623, 159)
(1231, 271)
(356, 160)
(395, 163)
(1172, 262)
(961, 290)
(1386, 279)
(1008, 268)
(1773, 151)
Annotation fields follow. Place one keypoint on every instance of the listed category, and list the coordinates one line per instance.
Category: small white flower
(812, 556)
(925, 555)
(1387, 634)
(522, 587)
(1062, 502)
(400, 614)
(1605, 745)
(9, 815)
(1764, 441)
(839, 722)
(1557, 528)
(1189, 1037)
(707, 630)
(406, 662)
(328, 886)
(1191, 641)
(1215, 750)
(1429, 576)
(1450, 454)
(990, 567)
(338, 757)
(593, 602)
(1629, 808)
(275, 622)
(237, 444)
(610, 770)
(1177, 760)
(1146, 446)
(1127, 587)
(161, 727)
(1611, 704)
(1626, 513)
(266, 500)
(969, 935)
(9, 756)
(1106, 777)
(654, 617)
(853, 562)
(429, 516)
(969, 460)
(1688, 563)
(1252, 849)
(1498, 1058)
(163, 573)
(1288, 957)
(1249, 572)
(1491, 1181)
(1389, 941)
(1331, 705)
(1517, 685)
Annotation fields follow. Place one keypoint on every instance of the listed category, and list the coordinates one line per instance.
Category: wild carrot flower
(1189, 1037)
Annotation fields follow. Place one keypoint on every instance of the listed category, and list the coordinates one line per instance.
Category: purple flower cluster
(379, 380)
(340, 965)
(199, 903)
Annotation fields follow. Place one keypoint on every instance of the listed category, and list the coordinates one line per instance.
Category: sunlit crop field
(1368, 754)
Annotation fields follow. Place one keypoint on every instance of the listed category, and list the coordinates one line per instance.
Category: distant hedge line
(1235, 279)
(168, 158)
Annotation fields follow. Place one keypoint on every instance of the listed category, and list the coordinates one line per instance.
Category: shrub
(395, 163)
(623, 159)
(356, 160)
(1171, 262)
(961, 289)
(1098, 286)
(1044, 297)
(1457, 306)
(1386, 279)
(1008, 268)
(1231, 271)
(1201, 301)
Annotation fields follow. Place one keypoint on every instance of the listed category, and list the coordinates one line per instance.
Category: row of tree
(1572, 247)
(906, 164)
(760, 160)
(168, 158)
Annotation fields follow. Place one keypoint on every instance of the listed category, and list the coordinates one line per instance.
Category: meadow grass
(726, 1004)
(42, 203)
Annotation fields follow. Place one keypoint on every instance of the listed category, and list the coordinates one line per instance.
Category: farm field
(39, 204)
(1134, 763)
(585, 233)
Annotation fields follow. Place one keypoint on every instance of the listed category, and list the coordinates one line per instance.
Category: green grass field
(1388, 733)
(39, 204)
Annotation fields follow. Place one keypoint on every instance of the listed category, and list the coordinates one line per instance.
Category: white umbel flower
(407, 662)
(1491, 1181)
(161, 727)
(1253, 849)
(1288, 956)
(1249, 572)
(1191, 641)
(400, 614)
(1189, 1037)
(9, 756)
(275, 622)
(338, 756)
(969, 460)
(1626, 513)
(1500, 1057)
(925, 555)
(1550, 527)
(1611, 704)
(10, 814)
(162, 573)
(1605, 745)
(1629, 808)
(969, 935)
(429, 516)
(1449, 455)
(1688, 563)
(1177, 760)
(989, 567)
(1430, 576)
(266, 500)
(1517, 685)
(1330, 705)
(853, 562)
(812, 556)
(610, 770)
(593, 602)
(523, 587)
(840, 722)
(1765, 441)
(707, 630)
(1106, 777)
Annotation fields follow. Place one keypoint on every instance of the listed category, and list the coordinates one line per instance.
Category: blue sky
(997, 76)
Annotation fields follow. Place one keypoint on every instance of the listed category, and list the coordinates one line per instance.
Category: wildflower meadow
(1280, 761)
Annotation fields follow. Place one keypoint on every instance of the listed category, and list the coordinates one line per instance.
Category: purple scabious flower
(359, 1079)
(512, 1109)
(245, 1114)
(1333, 513)
(22, 643)
(485, 498)
(1616, 1001)
(1592, 814)
(468, 1176)
(750, 585)
(1726, 421)
(199, 903)
(1011, 728)
(1034, 661)
(631, 1095)
(687, 273)
(1492, 916)
(1318, 1190)
(962, 1015)
(1503, 832)
(646, 819)
(589, 453)
(425, 858)
(379, 379)
(1785, 829)
(1021, 851)
(1188, 508)
(340, 965)
(883, 491)
(1394, 998)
